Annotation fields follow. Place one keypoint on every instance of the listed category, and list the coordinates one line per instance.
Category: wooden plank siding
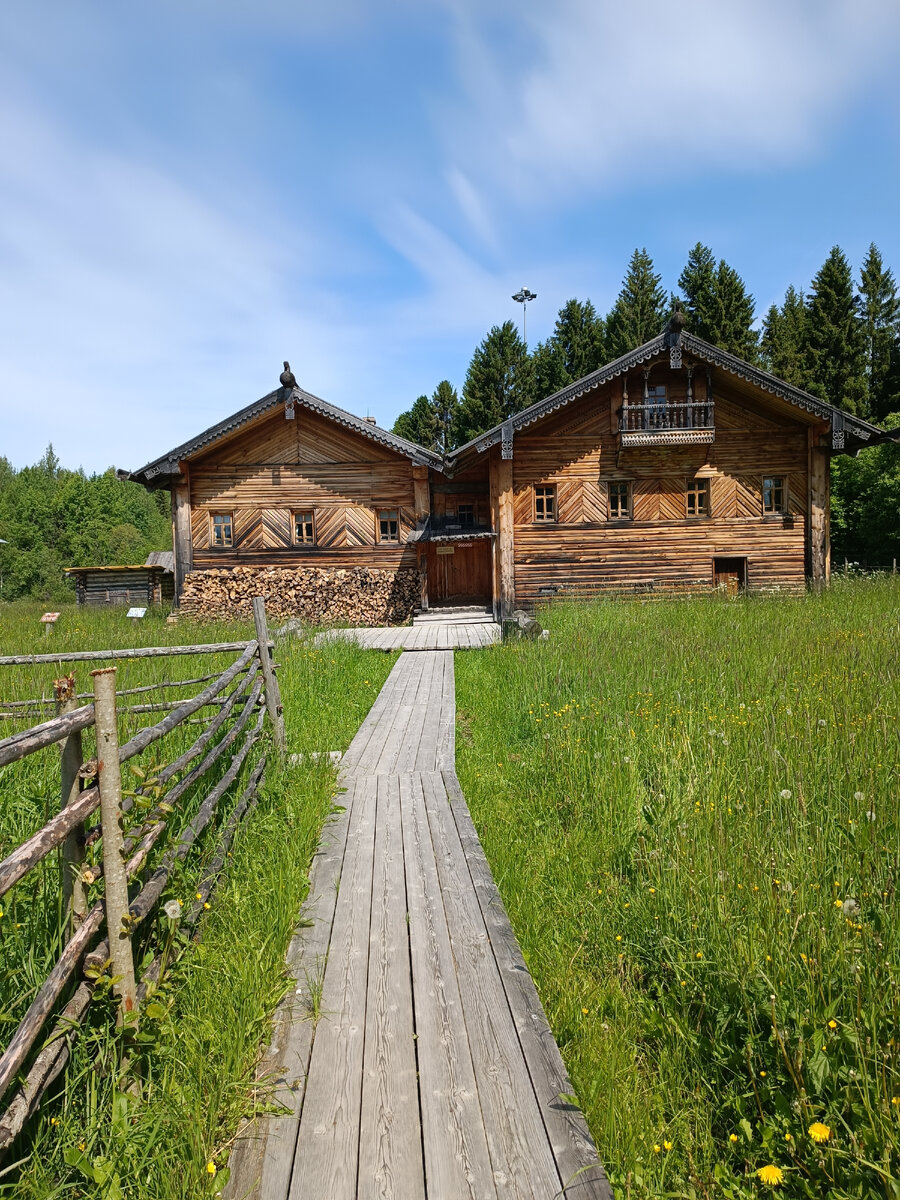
(578, 451)
(279, 467)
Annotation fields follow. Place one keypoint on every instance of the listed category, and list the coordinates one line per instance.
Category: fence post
(273, 692)
(109, 778)
(72, 850)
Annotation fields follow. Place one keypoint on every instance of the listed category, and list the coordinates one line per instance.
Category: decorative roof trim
(656, 348)
(167, 464)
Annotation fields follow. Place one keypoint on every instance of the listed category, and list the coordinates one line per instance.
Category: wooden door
(459, 572)
(730, 574)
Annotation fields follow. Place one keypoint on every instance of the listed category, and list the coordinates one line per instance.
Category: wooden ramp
(413, 1057)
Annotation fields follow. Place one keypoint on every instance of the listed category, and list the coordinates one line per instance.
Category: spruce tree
(576, 347)
(880, 312)
(698, 291)
(498, 382)
(733, 315)
(445, 415)
(783, 342)
(835, 341)
(418, 425)
(639, 312)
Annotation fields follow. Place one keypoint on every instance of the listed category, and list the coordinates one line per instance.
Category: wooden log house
(677, 466)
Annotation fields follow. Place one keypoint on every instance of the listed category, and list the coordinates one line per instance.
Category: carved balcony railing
(671, 424)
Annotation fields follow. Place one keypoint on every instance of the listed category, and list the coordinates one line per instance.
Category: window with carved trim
(222, 530)
(774, 493)
(545, 503)
(388, 525)
(304, 528)
(619, 500)
(698, 498)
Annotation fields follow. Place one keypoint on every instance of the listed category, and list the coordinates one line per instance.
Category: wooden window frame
(304, 512)
(223, 544)
(472, 512)
(699, 487)
(384, 514)
(785, 494)
(548, 491)
(628, 515)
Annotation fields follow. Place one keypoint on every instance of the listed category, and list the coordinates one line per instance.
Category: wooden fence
(241, 696)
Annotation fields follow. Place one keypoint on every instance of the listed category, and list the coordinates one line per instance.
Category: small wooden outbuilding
(152, 582)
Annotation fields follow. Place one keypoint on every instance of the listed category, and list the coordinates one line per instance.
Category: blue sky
(193, 190)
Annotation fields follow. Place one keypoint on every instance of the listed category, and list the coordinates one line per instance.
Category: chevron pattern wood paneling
(331, 527)
(248, 528)
(277, 527)
(671, 498)
(797, 487)
(407, 522)
(595, 503)
(723, 496)
(200, 535)
(523, 506)
(748, 496)
(569, 506)
(646, 500)
(360, 525)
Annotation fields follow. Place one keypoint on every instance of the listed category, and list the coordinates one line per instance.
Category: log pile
(315, 595)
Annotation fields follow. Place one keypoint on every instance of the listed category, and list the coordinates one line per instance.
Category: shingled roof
(162, 470)
(843, 424)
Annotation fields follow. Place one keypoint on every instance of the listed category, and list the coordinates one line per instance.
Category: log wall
(577, 450)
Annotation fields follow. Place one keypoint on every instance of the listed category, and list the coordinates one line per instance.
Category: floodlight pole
(522, 296)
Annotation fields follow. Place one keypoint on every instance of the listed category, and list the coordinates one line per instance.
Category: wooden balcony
(687, 423)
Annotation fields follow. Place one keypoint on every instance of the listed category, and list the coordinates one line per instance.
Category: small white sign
(136, 613)
(49, 618)
(445, 550)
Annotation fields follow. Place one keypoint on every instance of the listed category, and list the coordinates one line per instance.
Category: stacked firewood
(315, 595)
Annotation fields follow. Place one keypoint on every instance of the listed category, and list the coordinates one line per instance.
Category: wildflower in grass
(667, 1145)
(832, 1024)
(656, 1149)
(173, 910)
(618, 937)
(732, 1137)
(210, 1168)
(785, 794)
(762, 1074)
(850, 907)
(699, 954)
(859, 797)
(584, 1011)
(206, 905)
(819, 1133)
(199, 895)
(770, 1175)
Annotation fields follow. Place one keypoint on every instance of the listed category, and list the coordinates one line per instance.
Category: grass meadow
(211, 1015)
(691, 810)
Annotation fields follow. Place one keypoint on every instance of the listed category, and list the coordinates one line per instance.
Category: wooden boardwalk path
(413, 1057)
(439, 635)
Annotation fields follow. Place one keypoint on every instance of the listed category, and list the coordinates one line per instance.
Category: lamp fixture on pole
(522, 296)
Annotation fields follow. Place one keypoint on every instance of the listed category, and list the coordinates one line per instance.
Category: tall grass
(206, 1025)
(691, 810)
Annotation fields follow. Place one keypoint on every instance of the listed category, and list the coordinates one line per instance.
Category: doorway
(730, 574)
(459, 572)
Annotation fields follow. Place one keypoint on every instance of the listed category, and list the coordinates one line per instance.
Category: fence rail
(113, 852)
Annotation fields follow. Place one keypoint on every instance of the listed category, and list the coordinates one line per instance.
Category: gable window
(698, 498)
(466, 516)
(388, 525)
(304, 529)
(774, 494)
(619, 501)
(222, 530)
(545, 503)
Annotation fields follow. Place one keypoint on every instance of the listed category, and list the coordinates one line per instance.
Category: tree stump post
(72, 850)
(109, 779)
(273, 692)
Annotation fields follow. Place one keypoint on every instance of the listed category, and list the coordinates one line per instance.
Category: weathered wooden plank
(521, 1155)
(328, 1140)
(457, 1163)
(573, 1147)
(390, 1142)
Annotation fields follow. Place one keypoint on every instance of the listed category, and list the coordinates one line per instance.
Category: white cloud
(609, 94)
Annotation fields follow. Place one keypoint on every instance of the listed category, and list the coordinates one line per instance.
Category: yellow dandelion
(819, 1133)
(584, 1011)
(667, 1145)
(210, 1168)
(788, 1137)
(699, 955)
(618, 937)
(762, 1074)
(832, 1024)
(206, 905)
(656, 1149)
(199, 895)
(732, 1137)
(770, 1175)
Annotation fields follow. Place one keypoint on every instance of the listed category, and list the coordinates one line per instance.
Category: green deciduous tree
(865, 503)
(835, 340)
(640, 310)
(498, 382)
(880, 312)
